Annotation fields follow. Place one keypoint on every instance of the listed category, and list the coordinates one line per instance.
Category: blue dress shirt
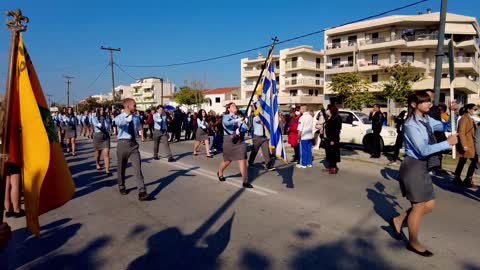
(160, 121)
(258, 129)
(122, 125)
(105, 125)
(416, 138)
(231, 124)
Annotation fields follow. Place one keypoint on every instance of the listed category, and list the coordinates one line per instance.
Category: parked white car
(357, 129)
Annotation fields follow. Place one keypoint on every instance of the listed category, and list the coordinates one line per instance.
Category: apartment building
(367, 47)
(299, 76)
(148, 92)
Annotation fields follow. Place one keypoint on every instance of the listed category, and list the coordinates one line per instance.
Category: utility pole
(439, 56)
(111, 66)
(68, 88)
(161, 91)
(49, 99)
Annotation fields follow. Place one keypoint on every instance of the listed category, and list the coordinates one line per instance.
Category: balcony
(372, 66)
(341, 48)
(305, 99)
(303, 82)
(381, 43)
(462, 84)
(248, 87)
(303, 65)
(251, 73)
(137, 93)
(469, 45)
(342, 68)
(423, 41)
(461, 63)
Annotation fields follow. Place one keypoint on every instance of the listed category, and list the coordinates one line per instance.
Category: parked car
(357, 129)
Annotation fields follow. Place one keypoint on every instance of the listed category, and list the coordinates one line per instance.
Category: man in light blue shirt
(260, 140)
(160, 135)
(128, 125)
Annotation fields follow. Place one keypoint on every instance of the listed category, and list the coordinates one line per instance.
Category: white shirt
(305, 124)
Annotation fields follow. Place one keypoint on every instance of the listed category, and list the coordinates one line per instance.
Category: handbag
(324, 143)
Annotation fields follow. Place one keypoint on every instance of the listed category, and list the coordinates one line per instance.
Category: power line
(128, 74)
(99, 75)
(280, 42)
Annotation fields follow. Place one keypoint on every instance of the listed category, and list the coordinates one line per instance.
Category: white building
(217, 98)
(148, 92)
(101, 98)
(299, 76)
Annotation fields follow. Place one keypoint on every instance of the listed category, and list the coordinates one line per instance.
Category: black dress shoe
(142, 196)
(396, 234)
(156, 158)
(247, 185)
(171, 159)
(220, 178)
(108, 174)
(271, 168)
(209, 156)
(123, 191)
(425, 253)
(9, 214)
(19, 214)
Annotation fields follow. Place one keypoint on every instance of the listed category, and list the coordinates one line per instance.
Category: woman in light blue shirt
(421, 150)
(234, 147)
(101, 138)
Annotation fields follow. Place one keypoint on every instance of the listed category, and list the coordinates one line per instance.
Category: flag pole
(270, 51)
(16, 26)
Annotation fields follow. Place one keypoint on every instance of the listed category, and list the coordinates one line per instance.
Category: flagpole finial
(18, 20)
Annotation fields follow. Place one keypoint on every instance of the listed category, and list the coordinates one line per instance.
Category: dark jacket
(333, 127)
(399, 121)
(436, 114)
(377, 121)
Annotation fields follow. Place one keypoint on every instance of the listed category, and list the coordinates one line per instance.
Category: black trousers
(332, 153)
(376, 144)
(188, 134)
(398, 146)
(461, 163)
(297, 152)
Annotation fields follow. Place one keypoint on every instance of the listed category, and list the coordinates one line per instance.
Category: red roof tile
(218, 91)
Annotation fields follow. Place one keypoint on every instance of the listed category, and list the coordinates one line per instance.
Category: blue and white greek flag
(266, 108)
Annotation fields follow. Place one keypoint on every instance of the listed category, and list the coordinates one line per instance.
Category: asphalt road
(292, 219)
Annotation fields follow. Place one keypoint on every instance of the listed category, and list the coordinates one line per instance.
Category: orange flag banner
(47, 182)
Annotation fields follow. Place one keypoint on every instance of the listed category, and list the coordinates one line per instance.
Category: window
(352, 40)
(316, 93)
(336, 62)
(248, 69)
(293, 93)
(294, 78)
(375, 78)
(310, 92)
(336, 43)
(347, 118)
(277, 64)
(350, 61)
(277, 78)
(217, 100)
(317, 79)
(374, 59)
(375, 35)
(407, 57)
(318, 61)
(294, 62)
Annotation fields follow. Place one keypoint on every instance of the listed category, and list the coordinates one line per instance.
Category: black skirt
(415, 180)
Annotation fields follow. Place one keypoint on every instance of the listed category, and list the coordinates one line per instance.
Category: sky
(64, 37)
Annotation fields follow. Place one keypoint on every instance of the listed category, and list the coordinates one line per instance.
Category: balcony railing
(421, 37)
(303, 64)
(379, 40)
(340, 66)
(316, 81)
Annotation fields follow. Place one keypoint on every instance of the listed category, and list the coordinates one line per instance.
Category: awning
(460, 29)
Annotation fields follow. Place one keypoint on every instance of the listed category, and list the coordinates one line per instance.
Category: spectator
(376, 116)
(305, 133)
(293, 134)
(333, 127)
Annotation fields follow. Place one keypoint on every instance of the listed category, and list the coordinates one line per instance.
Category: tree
(352, 90)
(189, 96)
(88, 104)
(402, 76)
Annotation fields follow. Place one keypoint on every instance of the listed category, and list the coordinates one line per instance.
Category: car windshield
(363, 117)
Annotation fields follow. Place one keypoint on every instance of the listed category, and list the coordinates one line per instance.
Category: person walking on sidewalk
(305, 136)
(101, 139)
(415, 180)
(466, 149)
(160, 135)
(376, 116)
(202, 133)
(234, 147)
(293, 138)
(260, 141)
(399, 122)
(128, 125)
(333, 127)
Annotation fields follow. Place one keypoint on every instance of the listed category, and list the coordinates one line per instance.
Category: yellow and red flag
(47, 182)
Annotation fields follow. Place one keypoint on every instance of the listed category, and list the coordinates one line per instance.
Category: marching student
(260, 141)
(234, 147)
(415, 180)
(160, 135)
(202, 133)
(71, 123)
(128, 125)
(101, 139)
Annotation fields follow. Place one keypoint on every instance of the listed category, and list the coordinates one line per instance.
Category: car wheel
(367, 143)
